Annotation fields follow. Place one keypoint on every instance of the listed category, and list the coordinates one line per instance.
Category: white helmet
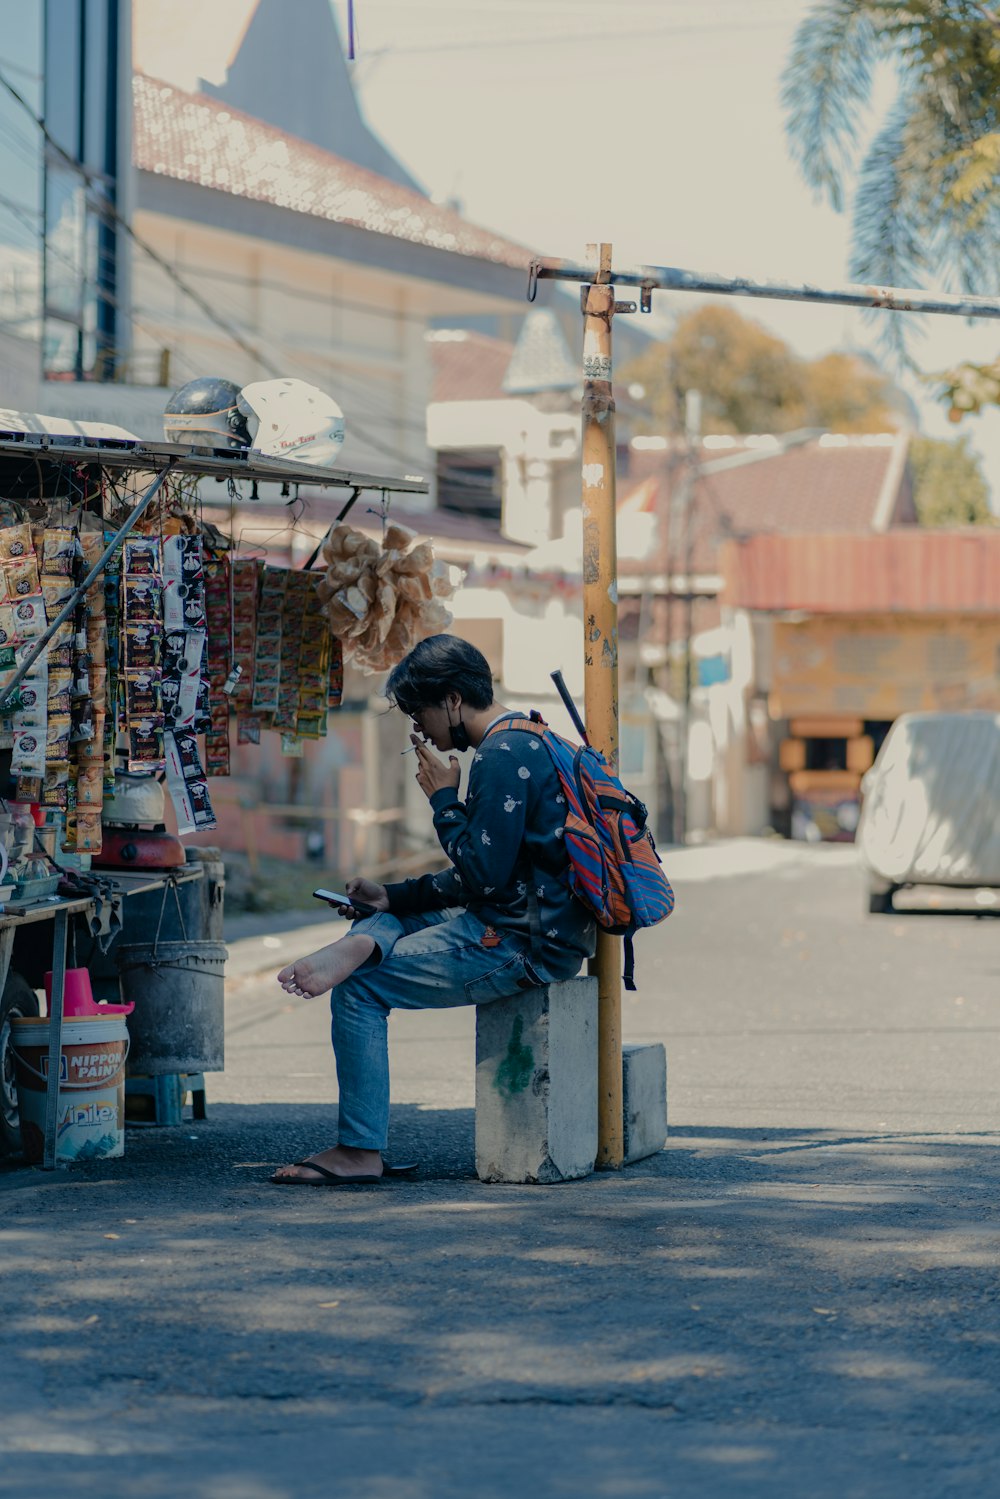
(293, 420)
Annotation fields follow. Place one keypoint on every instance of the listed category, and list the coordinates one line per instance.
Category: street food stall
(134, 641)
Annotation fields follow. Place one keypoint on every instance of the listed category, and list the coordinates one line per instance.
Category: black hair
(439, 665)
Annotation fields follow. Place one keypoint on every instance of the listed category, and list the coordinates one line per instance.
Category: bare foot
(326, 968)
(342, 1160)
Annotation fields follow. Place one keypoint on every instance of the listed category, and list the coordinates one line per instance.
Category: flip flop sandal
(325, 1178)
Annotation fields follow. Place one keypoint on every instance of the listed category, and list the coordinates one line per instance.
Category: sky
(653, 124)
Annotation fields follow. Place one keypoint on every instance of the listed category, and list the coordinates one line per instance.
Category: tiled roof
(853, 485)
(914, 570)
(468, 366)
(192, 138)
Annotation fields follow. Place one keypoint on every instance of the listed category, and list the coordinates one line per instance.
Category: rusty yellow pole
(600, 665)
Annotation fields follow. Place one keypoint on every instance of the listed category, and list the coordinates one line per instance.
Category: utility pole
(600, 662)
(684, 513)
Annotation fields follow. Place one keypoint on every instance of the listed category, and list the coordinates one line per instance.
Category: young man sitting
(499, 920)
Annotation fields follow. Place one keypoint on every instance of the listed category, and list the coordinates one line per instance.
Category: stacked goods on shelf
(141, 676)
(185, 619)
(220, 644)
(57, 723)
(175, 637)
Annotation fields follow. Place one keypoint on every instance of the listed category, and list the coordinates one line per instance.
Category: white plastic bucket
(91, 1117)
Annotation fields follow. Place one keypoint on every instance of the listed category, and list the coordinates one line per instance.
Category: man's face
(432, 724)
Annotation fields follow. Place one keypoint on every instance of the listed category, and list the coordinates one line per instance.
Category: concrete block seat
(536, 1087)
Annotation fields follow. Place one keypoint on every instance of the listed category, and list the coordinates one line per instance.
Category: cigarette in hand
(411, 751)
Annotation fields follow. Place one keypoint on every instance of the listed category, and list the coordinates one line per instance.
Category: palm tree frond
(825, 85)
(890, 243)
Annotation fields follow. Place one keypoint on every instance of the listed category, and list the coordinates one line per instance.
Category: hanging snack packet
(143, 646)
(145, 745)
(59, 551)
(88, 833)
(29, 617)
(55, 786)
(60, 691)
(15, 542)
(188, 679)
(57, 593)
(58, 737)
(90, 787)
(21, 577)
(32, 693)
(141, 556)
(142, 695)
(8, 629)
(28, 753)
(97, 649)
(90, 753)
(186, 783)
(83, 729)
(92, 547)
(142, 600)
(62, 635)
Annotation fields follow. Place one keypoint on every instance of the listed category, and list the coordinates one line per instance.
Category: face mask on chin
(459, 734)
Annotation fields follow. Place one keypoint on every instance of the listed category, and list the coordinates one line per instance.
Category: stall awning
(137, 455)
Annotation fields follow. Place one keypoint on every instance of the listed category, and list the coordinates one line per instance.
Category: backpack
(614, 869)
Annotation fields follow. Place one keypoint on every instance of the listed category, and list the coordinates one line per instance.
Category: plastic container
(37, 888)
(78, 997)
(91, 1115)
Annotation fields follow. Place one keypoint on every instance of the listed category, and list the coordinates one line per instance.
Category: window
(469, 483)
(84, 328)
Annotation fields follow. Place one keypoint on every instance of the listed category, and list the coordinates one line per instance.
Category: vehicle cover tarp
(931, 809)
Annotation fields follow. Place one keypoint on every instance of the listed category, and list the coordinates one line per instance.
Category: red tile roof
(192, 138)
(816, 487)
(907, 571)
(468, 366)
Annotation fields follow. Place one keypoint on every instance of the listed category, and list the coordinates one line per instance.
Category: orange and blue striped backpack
(614, 869)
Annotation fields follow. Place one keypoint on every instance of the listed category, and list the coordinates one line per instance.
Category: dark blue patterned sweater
(505, 840)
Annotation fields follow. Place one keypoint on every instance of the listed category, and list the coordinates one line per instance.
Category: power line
(491, 43)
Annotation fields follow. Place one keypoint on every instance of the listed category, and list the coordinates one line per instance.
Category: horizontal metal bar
(672, 278)
(131, 454)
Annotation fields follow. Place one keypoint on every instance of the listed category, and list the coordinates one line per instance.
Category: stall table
(59, 910)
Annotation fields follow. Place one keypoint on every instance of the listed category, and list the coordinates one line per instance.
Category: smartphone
(337, 898)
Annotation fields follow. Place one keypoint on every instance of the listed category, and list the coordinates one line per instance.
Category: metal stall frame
(161, 460)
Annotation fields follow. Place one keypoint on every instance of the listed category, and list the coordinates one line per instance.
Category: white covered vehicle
(931, 805)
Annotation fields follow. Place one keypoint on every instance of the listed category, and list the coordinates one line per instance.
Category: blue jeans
(433, 961)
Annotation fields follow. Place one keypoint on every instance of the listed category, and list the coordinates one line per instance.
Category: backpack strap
(628, 976)
(517, 721)
(535, 724)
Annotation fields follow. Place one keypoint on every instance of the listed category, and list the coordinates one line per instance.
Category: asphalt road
(799, 1296)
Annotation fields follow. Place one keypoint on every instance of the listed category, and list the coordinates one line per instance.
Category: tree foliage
(948, 484)
(927, 200)
(750, 381)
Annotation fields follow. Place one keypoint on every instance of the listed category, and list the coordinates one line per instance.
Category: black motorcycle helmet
(204, 414)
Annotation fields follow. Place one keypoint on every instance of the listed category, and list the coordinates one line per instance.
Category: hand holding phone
(343, 902)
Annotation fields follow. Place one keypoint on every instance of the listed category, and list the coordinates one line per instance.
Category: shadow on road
(738, 1290)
